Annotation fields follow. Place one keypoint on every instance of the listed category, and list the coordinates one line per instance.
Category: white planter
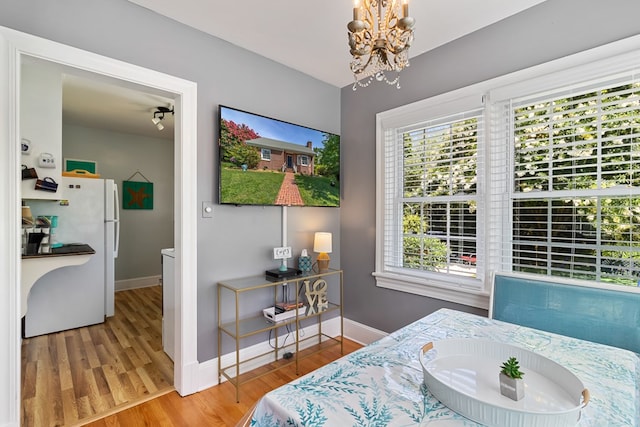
(513, 388)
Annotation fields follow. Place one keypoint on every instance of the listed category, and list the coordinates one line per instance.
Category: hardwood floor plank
(29, 371)
(90, 348)
(134, 358)
(148, 382)
(101, 381)
(116, 387)
(137, 383)
(69, 406)
(84, 409)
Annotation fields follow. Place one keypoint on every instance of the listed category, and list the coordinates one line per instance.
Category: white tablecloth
(382, 384)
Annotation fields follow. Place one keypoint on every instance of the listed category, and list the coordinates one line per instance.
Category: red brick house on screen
(284, 156)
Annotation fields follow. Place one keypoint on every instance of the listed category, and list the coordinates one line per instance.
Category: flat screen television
(269, 162)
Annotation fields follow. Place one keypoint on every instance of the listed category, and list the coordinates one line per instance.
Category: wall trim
(138, 282)
(362, 334)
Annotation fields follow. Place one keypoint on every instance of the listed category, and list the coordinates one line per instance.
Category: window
(438, 196)
(576, 184)
(303, 160)
(430, 197)
(536, 172)
(265, 154)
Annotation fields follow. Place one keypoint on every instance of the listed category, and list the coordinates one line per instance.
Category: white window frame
(265, 154)
(584, 66)
(303, 160)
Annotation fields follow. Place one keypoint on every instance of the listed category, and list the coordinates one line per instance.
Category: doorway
(14, 48)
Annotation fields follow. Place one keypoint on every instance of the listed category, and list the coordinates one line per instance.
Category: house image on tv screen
(284, 156)
(269, 162)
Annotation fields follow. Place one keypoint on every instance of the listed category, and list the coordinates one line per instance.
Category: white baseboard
(362, 334)
(138, 282)
(354, 331)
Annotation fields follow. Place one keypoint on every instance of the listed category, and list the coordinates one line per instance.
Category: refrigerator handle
(116, 220)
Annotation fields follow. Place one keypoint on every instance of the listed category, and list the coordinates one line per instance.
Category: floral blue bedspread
(382, 384)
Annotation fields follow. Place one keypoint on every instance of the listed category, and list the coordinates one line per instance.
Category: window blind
(431, 195)
(575, 189)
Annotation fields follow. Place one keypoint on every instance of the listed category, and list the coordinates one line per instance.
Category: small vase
(513, 388)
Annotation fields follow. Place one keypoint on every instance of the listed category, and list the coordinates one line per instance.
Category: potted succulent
(511, 382)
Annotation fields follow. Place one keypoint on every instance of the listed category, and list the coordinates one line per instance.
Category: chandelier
(379, 37)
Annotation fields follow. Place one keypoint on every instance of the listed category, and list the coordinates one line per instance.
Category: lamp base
(323, 265)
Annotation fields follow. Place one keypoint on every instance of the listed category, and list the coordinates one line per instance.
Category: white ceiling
(307, 36)
(113, 105)
(311, 36)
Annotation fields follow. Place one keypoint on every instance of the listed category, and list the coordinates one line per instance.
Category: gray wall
(551, 30)
(143, 233)
(237, 241)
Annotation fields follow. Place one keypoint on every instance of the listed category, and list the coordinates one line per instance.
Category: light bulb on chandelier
(379, 39)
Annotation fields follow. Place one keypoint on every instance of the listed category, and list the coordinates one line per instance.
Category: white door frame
(13, 46)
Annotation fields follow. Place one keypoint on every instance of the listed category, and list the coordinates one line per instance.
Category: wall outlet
(46, 160)
(282, 253)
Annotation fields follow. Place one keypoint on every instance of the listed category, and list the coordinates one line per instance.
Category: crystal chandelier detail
(379, 39)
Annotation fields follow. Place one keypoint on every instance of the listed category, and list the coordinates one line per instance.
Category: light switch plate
(207, 209)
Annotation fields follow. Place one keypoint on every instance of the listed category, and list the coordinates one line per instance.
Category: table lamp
(322, 245)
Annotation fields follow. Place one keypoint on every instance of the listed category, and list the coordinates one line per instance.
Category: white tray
(463, 375)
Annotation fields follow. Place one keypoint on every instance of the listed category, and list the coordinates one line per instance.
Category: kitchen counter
(65, 250)
(35, 266)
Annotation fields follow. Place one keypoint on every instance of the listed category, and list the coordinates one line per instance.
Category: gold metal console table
(317, 291)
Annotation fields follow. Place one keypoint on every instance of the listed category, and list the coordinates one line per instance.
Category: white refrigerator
(82, 295)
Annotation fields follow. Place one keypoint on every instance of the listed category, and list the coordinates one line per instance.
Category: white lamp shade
(322, 242)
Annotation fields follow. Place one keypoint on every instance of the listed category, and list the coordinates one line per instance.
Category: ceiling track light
(160, 111)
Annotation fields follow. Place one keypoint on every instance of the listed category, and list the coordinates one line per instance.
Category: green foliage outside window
(588, 147)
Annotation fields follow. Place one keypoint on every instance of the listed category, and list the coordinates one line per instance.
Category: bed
(382, 384)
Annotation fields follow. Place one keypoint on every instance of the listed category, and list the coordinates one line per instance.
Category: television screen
(264, 161)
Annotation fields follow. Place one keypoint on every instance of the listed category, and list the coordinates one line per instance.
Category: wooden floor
(75, 376)
(217, 405)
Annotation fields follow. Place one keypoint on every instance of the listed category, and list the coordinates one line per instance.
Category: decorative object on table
(29, 173)
(304, 262)
(554, 395)
(316, 294)
(47, 184)
(137, 194)
(511, 383)
(379, 39)
(322, 245)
